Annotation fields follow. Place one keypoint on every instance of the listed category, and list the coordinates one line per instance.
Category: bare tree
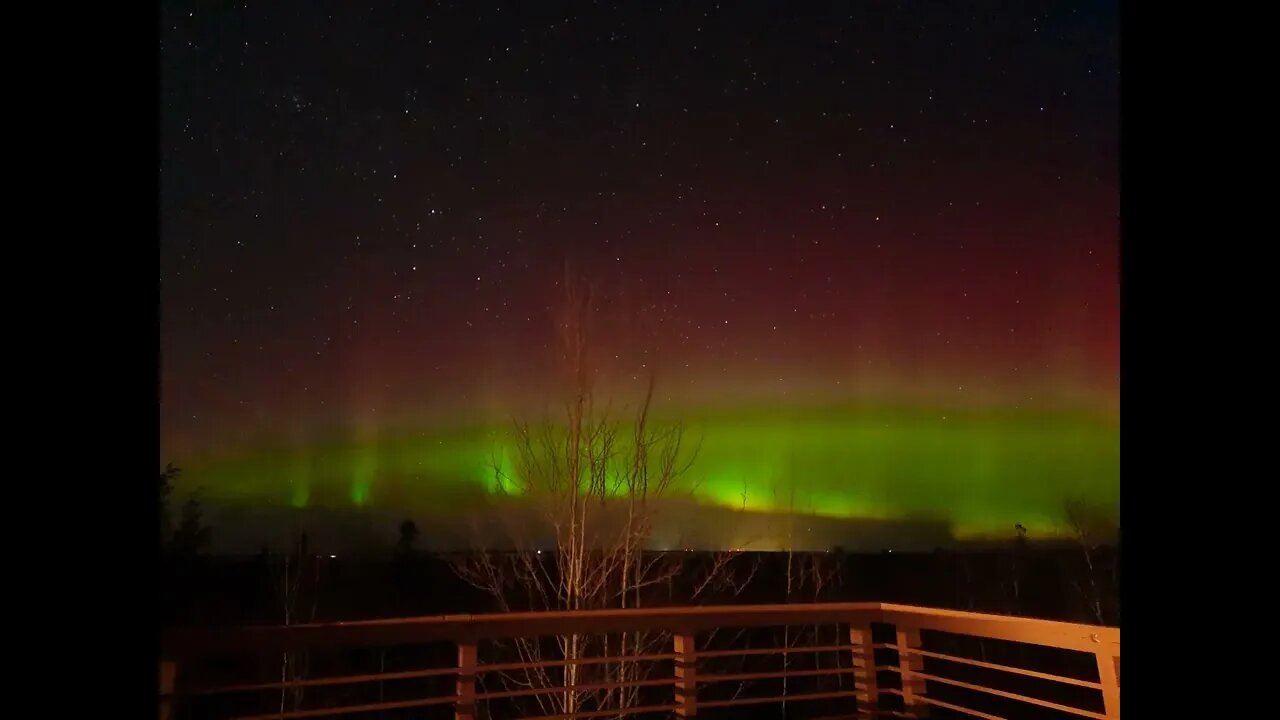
(1017, 562)
(297, 584)
(808, 574)
(595, 479)
(1090, 527)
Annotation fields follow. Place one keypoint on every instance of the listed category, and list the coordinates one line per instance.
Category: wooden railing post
(465, 705)
(686, 667)
(864, 668)
(909, 664)
(1109, 678)
(168, 674)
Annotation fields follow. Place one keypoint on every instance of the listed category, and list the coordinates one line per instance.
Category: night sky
(870, 250)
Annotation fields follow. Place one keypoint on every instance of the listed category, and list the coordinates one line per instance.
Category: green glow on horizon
(980, 471)
(363, 472)
(299, 495)
(360, 493)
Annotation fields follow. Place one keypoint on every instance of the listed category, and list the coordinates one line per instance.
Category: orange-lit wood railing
(904, 686)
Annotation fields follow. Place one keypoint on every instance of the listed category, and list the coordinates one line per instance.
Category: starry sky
(869, 250)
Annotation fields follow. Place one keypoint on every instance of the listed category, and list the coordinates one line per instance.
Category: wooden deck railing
(904, 677)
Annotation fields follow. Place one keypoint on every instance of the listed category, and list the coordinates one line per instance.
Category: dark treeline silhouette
(1053, 580)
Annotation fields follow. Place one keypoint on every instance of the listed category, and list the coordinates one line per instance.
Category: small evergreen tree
(408, 536)
(167, 476)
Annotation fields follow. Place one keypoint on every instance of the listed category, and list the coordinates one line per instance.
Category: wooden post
(686, 666)
(465, 705)
(912, 687)
(168, 673)
(864, 669)
(1109, 678)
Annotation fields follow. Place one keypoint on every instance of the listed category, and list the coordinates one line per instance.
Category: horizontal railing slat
(503, 667)
(640, 710)
(776, 699)
(726, 677)
(349, 709)
(317, 682)
(794, 650)
(584, 687)
(1011, 695)
(959, 708)
(1003, 668)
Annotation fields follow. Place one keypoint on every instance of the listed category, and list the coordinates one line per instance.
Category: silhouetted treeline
(1073, 581)
(1048, 581)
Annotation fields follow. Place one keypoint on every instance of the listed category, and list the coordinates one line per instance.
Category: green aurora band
(980, 471)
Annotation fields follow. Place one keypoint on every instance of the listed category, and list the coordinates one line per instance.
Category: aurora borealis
(870, 253)
(981, 472)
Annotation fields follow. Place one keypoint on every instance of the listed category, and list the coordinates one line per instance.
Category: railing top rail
(1072, 636)
(185, 642)
(627, 613)
(969, 615)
